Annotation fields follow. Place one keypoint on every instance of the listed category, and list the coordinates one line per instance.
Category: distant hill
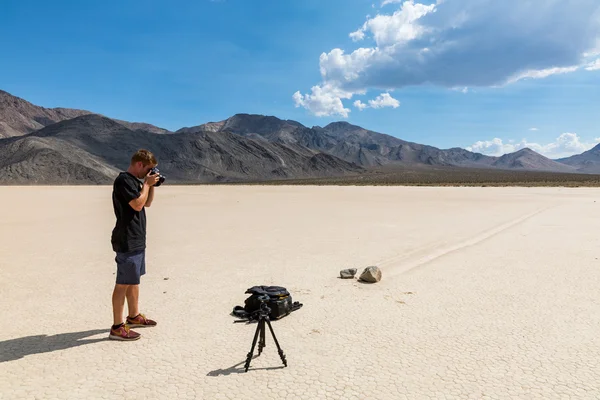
(357, 143)
(142, 127)
(250, 125)
(18, 117)
(371, 149)
(346, 141)
(527, 159)
(92, 149)
(587, 162)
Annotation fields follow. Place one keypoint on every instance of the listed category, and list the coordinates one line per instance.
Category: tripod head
(264, 310)
(263, 298)
(262, 313)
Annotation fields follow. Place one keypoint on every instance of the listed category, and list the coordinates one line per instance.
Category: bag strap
(238, 311)
(296, 305)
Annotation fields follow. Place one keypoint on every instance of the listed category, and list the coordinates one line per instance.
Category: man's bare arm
(150, 197)
(138, 204)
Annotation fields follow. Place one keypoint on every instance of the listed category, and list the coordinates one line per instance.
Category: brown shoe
(140, 322)
(123, 333)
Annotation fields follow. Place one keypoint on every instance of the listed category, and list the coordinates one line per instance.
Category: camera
(161, 178)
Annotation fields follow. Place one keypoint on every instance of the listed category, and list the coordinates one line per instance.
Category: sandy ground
(487, 293)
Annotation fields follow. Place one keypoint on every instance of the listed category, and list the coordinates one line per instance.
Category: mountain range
(68, 146)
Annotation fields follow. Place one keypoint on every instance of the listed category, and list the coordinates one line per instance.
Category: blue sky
(485, 75)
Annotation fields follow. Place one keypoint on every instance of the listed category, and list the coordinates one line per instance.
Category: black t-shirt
(129, 233)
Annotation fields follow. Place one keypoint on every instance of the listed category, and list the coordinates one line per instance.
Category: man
(130, 197)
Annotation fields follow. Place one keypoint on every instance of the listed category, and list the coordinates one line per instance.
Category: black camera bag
(280, 302)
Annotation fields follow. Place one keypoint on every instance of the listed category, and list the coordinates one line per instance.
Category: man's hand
(151, 180)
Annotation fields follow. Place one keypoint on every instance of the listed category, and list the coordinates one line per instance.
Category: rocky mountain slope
(18, 117)
(586, 162)
(92, 149)
(527, 159)
(75, 146)
(368, 148)
(346, 141)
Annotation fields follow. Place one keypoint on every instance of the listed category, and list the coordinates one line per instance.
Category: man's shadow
(14, 349)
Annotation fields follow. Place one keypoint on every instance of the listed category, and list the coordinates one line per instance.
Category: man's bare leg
(118, 301)
(133, 294)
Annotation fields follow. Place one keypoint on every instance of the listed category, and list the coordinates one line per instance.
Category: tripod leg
(249, 356)
(279, 350)
(261, 341)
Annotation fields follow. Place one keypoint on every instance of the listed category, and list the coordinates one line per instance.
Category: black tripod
(263, 316)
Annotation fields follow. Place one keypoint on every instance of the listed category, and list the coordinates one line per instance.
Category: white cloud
(542, 73)
(324, 100)
(360, 105)
(595, 65)
(493, 147)
(358, 35)
(381, 101)
(400, 27)
(533, 129)
(466, 43)
(567, 144)
(384, 100)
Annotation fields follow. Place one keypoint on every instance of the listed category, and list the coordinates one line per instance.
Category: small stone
(371, 274)
(348, 273)
(166, 279)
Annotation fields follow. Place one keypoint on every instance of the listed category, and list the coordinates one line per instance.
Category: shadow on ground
(15, 349)
(235, 370)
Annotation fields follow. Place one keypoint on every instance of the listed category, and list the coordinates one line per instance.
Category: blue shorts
(130, 267)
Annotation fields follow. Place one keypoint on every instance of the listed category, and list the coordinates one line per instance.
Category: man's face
(144, 169)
